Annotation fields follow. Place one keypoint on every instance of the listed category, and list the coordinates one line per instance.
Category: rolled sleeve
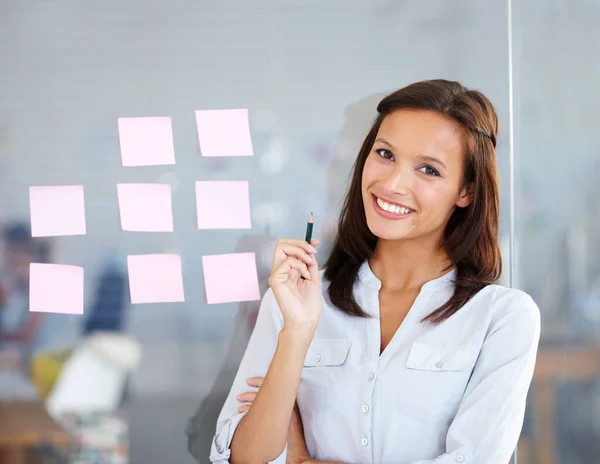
(255, 363)
(220, 449)
(221, 445)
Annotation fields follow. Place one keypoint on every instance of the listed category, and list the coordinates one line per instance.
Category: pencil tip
(310, 218)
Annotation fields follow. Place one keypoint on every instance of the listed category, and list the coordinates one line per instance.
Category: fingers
(284, 250)
(313, 270)
(254, 381)
(244, 408)
(282, 273)
(283, 270)
(249, 397)
(291, 247)
(246, 398)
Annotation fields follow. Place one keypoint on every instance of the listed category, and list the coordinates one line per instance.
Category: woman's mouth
(389, 210)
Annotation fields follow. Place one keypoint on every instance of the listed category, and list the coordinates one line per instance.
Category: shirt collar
(366, 276)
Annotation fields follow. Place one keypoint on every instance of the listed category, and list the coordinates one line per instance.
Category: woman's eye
(384, 153)
(430, 171)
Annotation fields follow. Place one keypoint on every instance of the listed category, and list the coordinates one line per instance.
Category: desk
(26, 424)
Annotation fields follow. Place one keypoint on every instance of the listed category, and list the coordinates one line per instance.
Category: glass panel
(310, 74)
(557, 223)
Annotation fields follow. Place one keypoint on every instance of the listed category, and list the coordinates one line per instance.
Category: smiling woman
(403, 349)
(432, 150)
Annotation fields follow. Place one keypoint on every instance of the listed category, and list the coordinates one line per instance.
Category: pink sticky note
(145, 207)
(146, 141)
(223, 205)
(230, 278)
(57, 210)
(155, 278)
(55, 288)
(224, 133)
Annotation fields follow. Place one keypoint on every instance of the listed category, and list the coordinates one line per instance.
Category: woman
(403, 350)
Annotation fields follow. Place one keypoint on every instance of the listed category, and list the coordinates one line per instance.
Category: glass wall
(310, 74)
(557, 226)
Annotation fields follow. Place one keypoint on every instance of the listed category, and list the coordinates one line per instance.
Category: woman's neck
(407, 264)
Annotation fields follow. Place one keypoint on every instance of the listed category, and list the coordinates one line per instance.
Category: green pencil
(309, 227)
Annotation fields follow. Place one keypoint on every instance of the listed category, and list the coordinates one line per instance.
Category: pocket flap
(441, 358)
(327, 352)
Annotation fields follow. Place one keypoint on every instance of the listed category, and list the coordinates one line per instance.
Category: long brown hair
(471, 235)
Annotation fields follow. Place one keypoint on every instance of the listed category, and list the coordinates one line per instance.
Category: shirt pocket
(434, 380)
(323, 374)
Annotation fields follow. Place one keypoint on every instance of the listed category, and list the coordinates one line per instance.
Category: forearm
(262, 434)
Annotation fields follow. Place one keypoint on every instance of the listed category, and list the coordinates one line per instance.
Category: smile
(390, 211)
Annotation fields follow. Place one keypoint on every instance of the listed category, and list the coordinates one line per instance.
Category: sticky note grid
(59, 210)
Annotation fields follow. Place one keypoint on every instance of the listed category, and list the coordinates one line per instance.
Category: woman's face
(412, 177)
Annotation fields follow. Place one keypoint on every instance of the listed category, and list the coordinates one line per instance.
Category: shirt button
(318, 358)
(364, 442)
(371, 376)
(439, 365)
(460, 458)
(365, 408)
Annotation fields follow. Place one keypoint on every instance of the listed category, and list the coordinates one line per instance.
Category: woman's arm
(297, 452)
(269, 349)
(489, 420)
(256, 359)
(262, 434)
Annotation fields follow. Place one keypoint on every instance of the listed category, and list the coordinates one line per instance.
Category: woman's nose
(397, 182)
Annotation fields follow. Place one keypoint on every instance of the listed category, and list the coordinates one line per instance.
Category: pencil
(309, 228)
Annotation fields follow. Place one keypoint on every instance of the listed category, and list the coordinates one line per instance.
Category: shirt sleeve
(255, 363)
(488, 423)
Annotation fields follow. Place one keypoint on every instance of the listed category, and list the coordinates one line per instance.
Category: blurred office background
(310, 74)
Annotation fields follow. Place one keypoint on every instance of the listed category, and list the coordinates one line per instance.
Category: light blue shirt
(448, 393)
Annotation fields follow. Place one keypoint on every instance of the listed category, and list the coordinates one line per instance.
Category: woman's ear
(465, 197)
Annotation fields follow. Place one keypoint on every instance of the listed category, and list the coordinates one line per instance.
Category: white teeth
(392, 208)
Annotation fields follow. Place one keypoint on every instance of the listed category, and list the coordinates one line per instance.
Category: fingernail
(312, 248)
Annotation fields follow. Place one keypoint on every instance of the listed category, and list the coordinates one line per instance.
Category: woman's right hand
(300, 300)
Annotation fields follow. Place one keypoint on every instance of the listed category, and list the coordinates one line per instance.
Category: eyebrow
(384, 141)
(431, 159)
